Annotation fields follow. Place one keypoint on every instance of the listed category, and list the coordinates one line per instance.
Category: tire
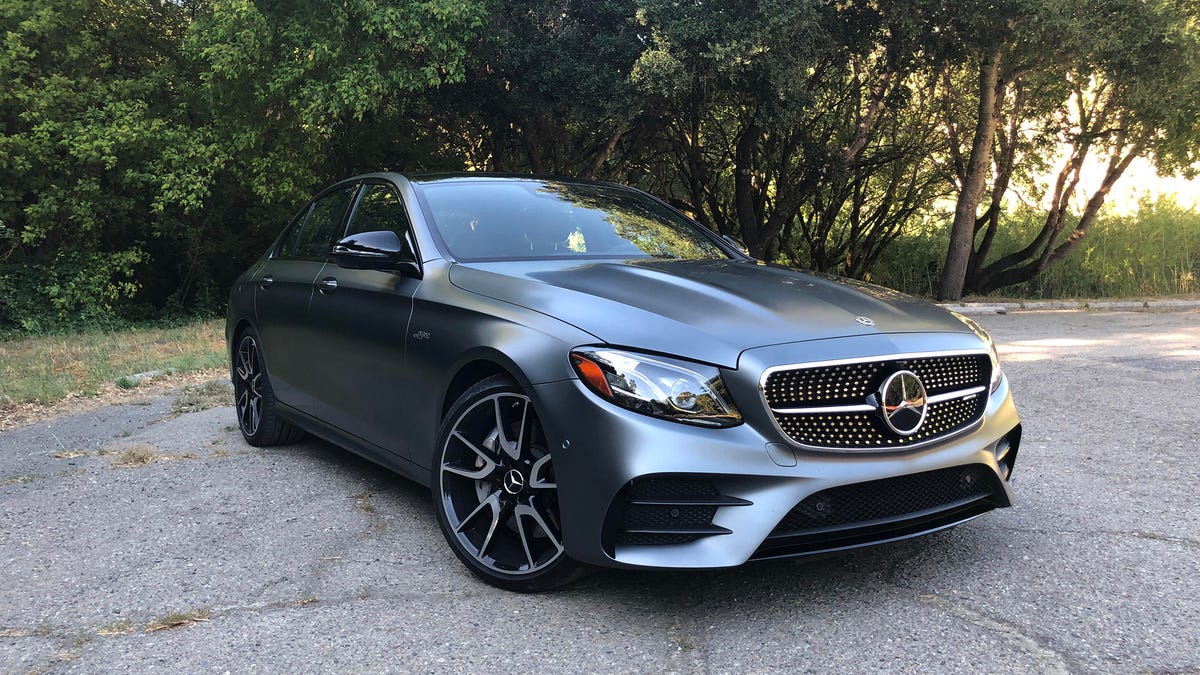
(494, 490)
(254, 400)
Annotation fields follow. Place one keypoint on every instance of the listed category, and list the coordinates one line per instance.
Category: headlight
(681, 391)
(991, 346)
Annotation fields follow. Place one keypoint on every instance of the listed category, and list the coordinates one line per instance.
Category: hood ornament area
(903, 402)
(865, 320)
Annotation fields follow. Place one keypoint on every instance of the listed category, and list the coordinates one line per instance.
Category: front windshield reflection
(529, 219)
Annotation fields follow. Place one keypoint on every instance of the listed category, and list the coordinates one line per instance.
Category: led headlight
(681, 391)
(994, 355)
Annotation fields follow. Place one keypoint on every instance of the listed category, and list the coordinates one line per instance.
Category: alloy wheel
(498, 490)
(247, 385)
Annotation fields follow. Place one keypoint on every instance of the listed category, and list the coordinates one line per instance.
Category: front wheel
(495, 492)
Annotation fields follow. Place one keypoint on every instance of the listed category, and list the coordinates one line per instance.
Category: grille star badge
(903, 402)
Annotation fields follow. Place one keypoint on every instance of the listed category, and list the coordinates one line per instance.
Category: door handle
(265, 282)
(327, 285)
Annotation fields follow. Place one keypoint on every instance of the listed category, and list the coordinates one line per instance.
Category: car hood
(707, 311)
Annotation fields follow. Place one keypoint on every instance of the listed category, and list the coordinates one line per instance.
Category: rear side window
(287, 242)
(322, 227)
(379, 209)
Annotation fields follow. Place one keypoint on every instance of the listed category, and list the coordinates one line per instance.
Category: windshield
(531, 219)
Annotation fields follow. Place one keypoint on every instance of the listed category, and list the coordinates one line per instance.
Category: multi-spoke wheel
(255, 400)
(495, 492)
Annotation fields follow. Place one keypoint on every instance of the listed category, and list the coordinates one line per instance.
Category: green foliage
(150, 149)
(1154, 251)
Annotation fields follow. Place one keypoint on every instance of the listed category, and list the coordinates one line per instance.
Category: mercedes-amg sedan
(583, 375)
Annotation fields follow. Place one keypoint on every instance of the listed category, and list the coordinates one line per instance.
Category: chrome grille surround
(830, 405)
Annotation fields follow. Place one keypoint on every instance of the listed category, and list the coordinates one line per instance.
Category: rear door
(285, 287)
(361, 320)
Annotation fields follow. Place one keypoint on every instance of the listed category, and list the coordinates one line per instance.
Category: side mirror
(381, 250)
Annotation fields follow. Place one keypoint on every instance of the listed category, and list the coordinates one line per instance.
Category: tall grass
(1155, 251)
(46, 369)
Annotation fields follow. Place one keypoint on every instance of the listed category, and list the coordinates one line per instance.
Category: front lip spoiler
(860, 535)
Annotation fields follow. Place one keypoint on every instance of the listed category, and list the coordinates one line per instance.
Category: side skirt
(358, 446)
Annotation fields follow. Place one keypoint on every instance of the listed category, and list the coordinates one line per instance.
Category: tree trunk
(989, 222)
(1052, 253)
(602, 156)
(962, 232)
(753, 233)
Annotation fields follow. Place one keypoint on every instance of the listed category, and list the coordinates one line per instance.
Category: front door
(362, 319)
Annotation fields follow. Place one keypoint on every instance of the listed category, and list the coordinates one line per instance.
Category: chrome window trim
(940, 398)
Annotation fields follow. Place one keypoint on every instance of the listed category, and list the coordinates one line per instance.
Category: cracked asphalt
(307, 558)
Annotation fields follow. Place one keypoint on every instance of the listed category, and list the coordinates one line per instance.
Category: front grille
(863, 513)
(828, 385)
(855, 384)
(666, 510)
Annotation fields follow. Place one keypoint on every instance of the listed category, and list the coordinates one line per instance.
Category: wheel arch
(475, 368)
(239, 328)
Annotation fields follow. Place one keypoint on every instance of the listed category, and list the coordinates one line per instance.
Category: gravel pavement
(308, 559)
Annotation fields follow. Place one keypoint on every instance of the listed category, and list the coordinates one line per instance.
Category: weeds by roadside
(117, 628)
(197, 397)
(135, 455)
(1154, 252)
(18, 480)
(177, 619)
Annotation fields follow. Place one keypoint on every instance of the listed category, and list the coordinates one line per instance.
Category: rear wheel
(254, 398)
(495, 492)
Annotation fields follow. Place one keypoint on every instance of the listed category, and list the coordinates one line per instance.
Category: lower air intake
(889, 508)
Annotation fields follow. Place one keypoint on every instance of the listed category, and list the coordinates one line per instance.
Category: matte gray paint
(703, 310)
(387, 361)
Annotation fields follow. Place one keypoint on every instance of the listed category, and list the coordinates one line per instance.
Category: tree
(729, 87)
(1132, 93)
(1116, 78)
(548, 91)
(87, 112)
(148, 150)
(804, 128)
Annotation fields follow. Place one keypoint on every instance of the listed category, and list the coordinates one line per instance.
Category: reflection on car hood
(703, 310)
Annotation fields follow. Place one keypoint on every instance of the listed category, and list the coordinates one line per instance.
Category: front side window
(379, 209)
(530, 219)
(323, 225)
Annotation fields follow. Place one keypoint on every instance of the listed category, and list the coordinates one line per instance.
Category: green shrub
(1155, 251)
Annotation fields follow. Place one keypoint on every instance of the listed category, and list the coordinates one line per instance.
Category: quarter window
(287, 243)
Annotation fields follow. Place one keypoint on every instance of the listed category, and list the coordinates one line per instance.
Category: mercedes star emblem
(902, 402)
(514, 482)
(865, 320)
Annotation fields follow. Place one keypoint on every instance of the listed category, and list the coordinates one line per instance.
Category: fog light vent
(661, 510)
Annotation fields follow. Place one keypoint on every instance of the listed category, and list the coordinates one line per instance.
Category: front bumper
(600, 448)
